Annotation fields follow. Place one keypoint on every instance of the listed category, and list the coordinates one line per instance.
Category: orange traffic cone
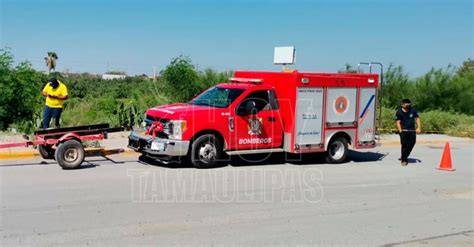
(446, 164)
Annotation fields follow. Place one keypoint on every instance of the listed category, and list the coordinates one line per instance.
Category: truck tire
(206, 152)
(46, 152)
(70, 154)
(337, 151)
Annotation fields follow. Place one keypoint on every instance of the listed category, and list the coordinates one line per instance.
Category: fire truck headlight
(175, 129)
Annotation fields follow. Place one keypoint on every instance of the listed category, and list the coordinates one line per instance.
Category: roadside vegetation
(434, 122)
(444, 97)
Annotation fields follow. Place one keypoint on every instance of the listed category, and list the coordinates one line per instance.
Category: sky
(133, 36)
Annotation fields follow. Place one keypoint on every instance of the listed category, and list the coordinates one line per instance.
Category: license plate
(157, 146)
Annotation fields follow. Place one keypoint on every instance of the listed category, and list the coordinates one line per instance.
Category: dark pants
(408, 140)
(51, 113)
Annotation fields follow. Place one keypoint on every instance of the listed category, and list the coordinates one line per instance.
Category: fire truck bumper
(159, 148)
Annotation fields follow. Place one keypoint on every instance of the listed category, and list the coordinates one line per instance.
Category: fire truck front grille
(150, 119)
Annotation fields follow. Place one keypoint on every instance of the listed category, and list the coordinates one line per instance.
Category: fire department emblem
(255, 126)
(341, 104)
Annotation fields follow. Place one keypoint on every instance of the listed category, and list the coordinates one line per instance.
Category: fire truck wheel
(337, 151)
(206, 152)
(46, 152)
(70, 154)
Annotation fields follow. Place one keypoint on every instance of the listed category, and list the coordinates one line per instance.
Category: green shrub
(448, 123)
(20, 88)
(435, 121)
(438, 89)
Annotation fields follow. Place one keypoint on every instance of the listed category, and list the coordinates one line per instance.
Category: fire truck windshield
(217, 97)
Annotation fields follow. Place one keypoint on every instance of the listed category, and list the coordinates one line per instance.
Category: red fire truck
(263, 112)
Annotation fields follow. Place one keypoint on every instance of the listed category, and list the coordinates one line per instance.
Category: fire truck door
(309, 116)
(341, 107)
(261, 127)
(366, 115)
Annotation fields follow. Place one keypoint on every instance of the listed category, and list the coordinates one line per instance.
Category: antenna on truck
(284, 55)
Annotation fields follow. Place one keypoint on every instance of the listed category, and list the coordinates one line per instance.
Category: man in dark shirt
(406, 117)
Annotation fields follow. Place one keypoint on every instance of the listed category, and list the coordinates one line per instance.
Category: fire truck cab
(263, 112)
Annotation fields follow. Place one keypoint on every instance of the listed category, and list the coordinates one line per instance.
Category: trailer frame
(65, 144)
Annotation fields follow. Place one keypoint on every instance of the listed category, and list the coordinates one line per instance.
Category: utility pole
(154, 72)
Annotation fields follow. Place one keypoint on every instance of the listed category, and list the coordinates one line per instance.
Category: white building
(113, 76)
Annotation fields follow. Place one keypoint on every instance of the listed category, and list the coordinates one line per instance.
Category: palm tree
(50, 61)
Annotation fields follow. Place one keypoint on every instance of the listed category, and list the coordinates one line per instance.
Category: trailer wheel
(46, 152)
(337, 150)
(70, 154)
(206, 152)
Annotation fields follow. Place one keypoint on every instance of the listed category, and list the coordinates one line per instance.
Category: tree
(397, 86)
(50, 60)
(181, 77)
(463, 100)
(348, 69)
(209, 78)
(20, 100)
(435, 90)
(467, 66)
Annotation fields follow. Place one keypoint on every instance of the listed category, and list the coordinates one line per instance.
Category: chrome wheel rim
(207, 152)
(336, 150)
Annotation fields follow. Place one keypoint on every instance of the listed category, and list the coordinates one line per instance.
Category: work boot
(404, 163)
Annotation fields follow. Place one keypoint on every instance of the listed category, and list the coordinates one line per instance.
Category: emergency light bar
(246, 80)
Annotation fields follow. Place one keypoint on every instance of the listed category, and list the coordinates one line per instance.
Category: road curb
(18, 154)
(34, 153)
(388, 143)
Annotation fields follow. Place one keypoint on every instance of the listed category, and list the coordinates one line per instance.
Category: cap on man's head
(406, 101)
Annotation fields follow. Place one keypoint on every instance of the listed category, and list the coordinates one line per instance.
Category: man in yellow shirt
(55, 93)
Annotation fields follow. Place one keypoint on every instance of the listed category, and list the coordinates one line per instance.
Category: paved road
(368, 201)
